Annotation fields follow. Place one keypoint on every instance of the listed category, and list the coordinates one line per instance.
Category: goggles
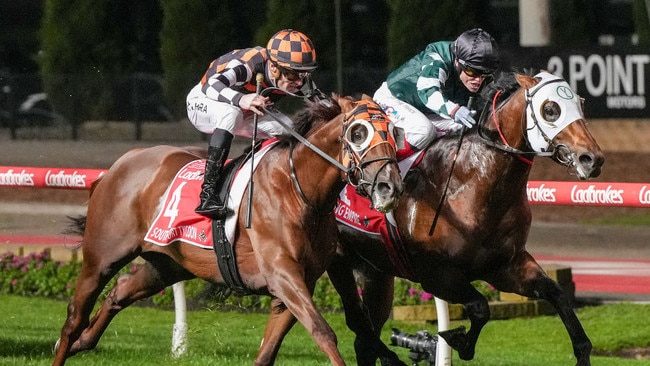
(292, 75)
(474, 72)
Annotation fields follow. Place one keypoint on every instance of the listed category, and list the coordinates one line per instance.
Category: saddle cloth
(354, 210)
(176, 219)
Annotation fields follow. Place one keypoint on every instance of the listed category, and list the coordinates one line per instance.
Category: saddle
(223, 249)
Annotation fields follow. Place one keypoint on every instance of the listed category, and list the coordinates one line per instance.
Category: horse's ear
(365, 96)
(346, 103)
(525, 81)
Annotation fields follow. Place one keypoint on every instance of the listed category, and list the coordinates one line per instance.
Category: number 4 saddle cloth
(176, 219)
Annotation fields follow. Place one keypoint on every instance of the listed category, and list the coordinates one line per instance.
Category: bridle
(558, 152)
(365, 117)
(379, 131)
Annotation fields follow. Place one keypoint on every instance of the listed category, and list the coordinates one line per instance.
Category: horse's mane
(505, 82)
(315, 113)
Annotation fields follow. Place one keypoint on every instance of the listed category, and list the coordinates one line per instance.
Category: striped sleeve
(218, 85)
(433, 77)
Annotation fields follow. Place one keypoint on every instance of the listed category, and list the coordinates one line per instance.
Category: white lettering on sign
(9, 178)
(541, 194)
(620, 78)
(644, 195)
(61, 179)
(593, 195)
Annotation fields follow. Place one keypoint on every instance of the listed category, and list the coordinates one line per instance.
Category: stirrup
(213, 210)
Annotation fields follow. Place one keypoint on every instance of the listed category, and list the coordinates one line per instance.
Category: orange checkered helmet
(292, 50)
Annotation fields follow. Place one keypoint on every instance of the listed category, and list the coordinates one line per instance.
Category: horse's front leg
(551, 291)
(285, 278)
(367, 344)
(527, 278)
(280, 322)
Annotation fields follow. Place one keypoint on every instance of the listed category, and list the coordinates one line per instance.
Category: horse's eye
(551, 111)
(359, 134)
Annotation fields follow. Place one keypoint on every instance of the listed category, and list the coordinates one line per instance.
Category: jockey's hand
(465, 117)
(254, 102)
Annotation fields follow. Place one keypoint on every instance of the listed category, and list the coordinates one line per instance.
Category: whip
(259, 78)
(451, 171)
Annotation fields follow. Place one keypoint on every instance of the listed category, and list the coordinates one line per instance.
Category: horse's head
(369, 152)
(554, 123)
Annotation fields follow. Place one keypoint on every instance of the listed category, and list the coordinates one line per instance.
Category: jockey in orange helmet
(224, 102)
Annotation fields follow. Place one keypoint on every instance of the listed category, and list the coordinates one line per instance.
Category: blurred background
(65, 64)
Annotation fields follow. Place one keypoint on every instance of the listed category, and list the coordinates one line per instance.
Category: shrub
(37, 274)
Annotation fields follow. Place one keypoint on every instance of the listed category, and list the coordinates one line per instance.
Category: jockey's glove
(464, 116)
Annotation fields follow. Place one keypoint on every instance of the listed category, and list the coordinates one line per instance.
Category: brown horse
(483, 217)
(292, 234)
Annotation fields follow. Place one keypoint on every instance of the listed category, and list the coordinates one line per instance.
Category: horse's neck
(488, 170)
(319, 179)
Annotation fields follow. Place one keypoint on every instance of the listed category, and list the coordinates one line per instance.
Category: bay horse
(292, 234)
(470, 222)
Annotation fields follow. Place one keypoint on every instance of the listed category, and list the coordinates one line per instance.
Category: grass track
(141, 336)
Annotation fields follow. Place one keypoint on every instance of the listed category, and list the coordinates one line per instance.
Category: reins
(504, 145)
(279, 117)
(347, 171)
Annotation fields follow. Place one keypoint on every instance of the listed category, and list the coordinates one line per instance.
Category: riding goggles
(292, 75)
(474, 72)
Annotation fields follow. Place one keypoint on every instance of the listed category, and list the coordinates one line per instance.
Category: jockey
(224, 102)
(428, 95)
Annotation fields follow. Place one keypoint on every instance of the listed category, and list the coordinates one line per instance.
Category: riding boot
(211, 205)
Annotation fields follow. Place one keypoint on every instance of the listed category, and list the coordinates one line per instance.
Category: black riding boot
(218, 150)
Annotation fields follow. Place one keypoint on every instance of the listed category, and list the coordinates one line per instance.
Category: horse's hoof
(456, 338)
(393, 360)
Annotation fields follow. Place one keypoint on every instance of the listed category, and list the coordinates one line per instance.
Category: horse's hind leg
(145, 281)
(280, 322)
(88, 287)
(478, 311)
(95, 274)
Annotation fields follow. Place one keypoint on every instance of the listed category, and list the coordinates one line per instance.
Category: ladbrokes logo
(644, 195)
(593, 195)
(191, 175)
(22, 178)
(65, 180)
(541, 194)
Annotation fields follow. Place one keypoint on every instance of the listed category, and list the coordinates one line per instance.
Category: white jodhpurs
(420, 129)
(208, 114)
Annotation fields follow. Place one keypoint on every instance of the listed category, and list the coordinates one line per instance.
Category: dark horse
(483, 216)
(290, 242)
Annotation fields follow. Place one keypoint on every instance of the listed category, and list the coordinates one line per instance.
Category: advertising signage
(613, 83)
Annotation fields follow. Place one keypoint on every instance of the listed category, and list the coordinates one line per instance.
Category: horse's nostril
(385, 188)
(586, 160)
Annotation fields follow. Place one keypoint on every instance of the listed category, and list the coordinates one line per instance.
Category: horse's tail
(77, 225)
